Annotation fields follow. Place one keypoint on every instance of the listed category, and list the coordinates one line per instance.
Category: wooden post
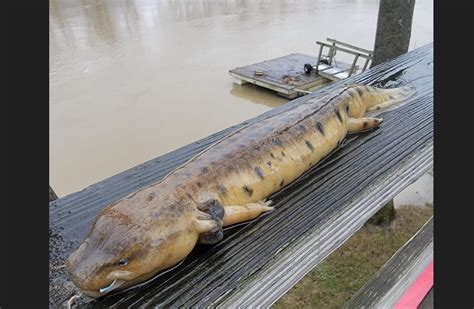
(391, 40)
(384, 216)
(393, 29)
(52, 195)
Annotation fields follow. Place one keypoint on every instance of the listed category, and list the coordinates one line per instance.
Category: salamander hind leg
(209, 222)
(236, 214)
(356, 125)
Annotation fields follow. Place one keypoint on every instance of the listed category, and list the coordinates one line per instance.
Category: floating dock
(285, 75)
(298, 74)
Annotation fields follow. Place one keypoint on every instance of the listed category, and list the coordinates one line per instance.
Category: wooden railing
(258, 262)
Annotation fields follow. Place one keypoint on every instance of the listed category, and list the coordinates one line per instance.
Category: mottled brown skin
(158, 226)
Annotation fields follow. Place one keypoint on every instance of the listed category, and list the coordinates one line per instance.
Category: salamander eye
(123, 262)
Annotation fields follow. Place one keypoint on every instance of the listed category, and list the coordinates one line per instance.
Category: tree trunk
(393, 29)
(384, 216)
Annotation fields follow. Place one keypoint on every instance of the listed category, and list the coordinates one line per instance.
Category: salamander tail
(392, 96)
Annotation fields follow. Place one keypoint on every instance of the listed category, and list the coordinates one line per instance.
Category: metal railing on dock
(325, 63)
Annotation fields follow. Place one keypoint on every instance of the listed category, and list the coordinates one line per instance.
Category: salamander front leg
(246, 212)
(362, 124)
(210, 230)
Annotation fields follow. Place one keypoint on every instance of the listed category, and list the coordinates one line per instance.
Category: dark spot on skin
(272, 155)
(302, 128)
(391, 97)
(213, 208)
(204, 170)
(199, 184)
(359, 91)
(283, 154)
(269, 163)
(151, 196)
(189, 195)
(282, 183)
(347, 107)
(336, 110)
(277, 141)
(320, 127)
(365, 124)
(176, 207)
(259, 172)
(256, 147)
(248, 190)
(378, 107)
(310, 146)
(222, 189)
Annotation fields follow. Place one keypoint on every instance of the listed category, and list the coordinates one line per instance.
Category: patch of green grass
(346, 270)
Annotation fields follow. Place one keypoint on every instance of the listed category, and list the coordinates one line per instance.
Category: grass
(346, 270)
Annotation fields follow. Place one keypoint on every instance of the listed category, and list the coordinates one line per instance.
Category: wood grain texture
(354, 182)
(285, 72)
(303, 254)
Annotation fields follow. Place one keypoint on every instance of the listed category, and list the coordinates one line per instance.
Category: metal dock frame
(344, 47)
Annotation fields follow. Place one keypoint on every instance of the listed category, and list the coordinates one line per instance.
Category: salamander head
(124, 249)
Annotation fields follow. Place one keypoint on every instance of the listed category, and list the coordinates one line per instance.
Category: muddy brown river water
(133, 79)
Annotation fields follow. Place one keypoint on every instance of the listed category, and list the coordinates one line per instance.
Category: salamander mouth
(105, 290)
(114, 285)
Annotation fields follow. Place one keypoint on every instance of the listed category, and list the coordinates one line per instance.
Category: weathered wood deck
(257, 262)
(396, 276)
(283, 75)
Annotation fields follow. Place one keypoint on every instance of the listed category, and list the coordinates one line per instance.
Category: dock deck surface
(283, 74)
(257, 262)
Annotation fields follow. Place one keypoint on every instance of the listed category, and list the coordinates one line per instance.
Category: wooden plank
(283, 74)
(396, 276)
(213, 274)
(302, 255)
